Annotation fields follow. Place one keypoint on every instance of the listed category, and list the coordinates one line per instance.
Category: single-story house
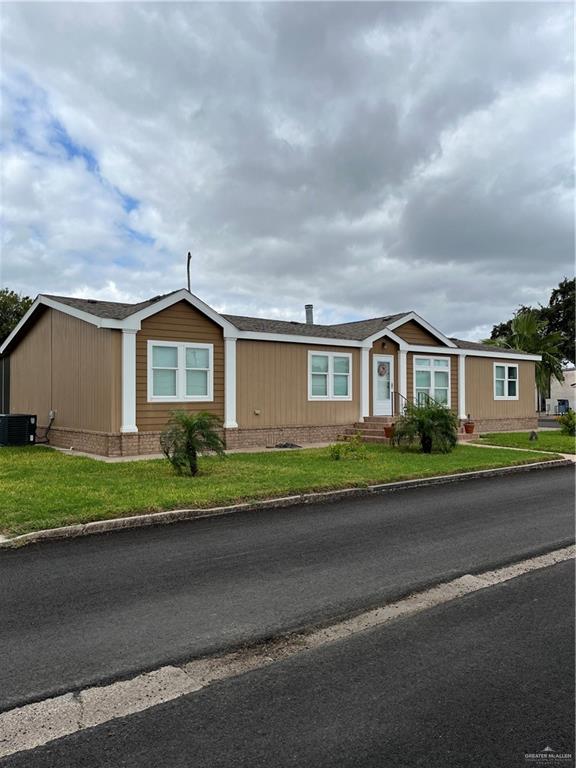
(110, 373)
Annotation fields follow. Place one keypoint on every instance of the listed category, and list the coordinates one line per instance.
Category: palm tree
(431, 424)
(527, 333)
(188, 434)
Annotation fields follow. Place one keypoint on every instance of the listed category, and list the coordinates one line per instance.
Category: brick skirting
(268, 437)
(142, 443)
(105, 443)
(505, 425)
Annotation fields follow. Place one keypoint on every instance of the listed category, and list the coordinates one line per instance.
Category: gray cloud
(371, 157)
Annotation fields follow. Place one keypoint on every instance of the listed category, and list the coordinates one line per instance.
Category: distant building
(562, 393)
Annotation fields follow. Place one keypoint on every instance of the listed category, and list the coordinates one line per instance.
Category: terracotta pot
(468, 427)
(389, 431)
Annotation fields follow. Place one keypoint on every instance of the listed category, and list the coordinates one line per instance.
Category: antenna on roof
(188, 269)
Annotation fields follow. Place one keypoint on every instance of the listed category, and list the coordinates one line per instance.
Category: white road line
(32, 725)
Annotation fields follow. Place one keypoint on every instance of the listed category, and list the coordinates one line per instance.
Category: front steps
(371, 430)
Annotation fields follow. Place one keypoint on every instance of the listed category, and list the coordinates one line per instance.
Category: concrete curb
(180, 515)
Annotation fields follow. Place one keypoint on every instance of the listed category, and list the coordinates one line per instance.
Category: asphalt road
(90, 610)
(481, 681)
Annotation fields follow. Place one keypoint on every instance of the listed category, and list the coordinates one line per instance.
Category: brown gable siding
(453, 375)
(272, 377)
(69, 366)
(480, 403)
(414, 333)
(180, 322)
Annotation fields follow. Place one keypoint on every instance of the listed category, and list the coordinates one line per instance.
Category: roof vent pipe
(309, 313)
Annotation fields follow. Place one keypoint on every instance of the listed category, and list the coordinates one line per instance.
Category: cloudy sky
(369, 158)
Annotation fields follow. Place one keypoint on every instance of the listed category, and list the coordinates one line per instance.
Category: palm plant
(527, 332)
(432, 424)
(189, 434)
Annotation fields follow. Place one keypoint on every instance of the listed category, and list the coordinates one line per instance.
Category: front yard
(43, 488)
(552, 440)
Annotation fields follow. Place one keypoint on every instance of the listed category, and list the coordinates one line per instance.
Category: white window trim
(330, 396)
(180, 397)
(432, 387)
(506, 365)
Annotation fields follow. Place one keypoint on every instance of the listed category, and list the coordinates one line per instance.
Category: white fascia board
(295, 339)
(430, 328)
(498, 353)
(384, 332)
(230, 331)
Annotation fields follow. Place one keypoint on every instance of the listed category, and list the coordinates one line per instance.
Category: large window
(329, 376)
(505, 382)
(179, 371)
(432, 379)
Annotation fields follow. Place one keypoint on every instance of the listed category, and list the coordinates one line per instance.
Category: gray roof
(485, 347)
(356, 331)
(112, 310)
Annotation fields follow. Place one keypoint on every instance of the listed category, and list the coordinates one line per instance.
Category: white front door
(383, 384)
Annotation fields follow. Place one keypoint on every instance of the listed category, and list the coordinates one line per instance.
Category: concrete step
(379, 419)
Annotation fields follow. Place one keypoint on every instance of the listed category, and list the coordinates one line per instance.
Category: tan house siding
(30, 370)
(453, 375)
(480, 403)
(414, 333)
(180, 322)
(71, 367)
(272, 378)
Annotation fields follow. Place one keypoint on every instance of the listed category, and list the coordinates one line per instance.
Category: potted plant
(469, 426)
(389, 430)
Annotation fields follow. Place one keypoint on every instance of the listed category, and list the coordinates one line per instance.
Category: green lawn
(43, 488)
(552, 440)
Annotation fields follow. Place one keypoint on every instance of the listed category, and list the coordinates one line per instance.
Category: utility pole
(188, 268)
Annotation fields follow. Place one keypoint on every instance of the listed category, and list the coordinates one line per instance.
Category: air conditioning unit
(17, 429)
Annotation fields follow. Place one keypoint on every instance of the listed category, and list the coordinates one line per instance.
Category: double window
(432, 380)
(505, 382)
(329, 376)
(180, 372)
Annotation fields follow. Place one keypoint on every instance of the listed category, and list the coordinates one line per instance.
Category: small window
(505, 382)
(180, 372)
(329, 376)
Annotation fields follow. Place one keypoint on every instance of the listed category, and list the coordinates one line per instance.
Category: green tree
(433, 425)
(528, 332)
(13, 307)
(189, 434)
(560, 315)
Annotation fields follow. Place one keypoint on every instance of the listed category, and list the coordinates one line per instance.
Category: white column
(462, 387)
(230, 382)
(402, 377)
(128, 381)
(364, 383)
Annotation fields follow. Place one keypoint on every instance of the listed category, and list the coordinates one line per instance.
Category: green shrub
(188, 434)
(568, 422)
(433, 425)
(355, 448)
